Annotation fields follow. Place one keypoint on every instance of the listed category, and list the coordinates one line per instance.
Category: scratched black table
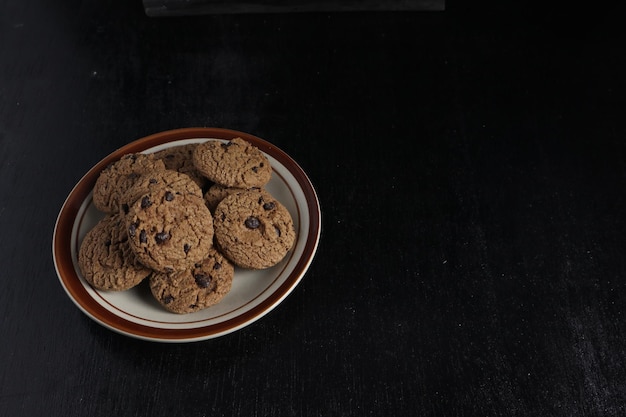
(471, 175)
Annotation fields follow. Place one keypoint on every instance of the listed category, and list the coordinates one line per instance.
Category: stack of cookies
(183, 219)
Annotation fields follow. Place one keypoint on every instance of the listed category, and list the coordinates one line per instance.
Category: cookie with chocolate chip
(105, 258)
(159, 179)
(180, 158)
(253, 229)
(217, 192)
(201, 286)
(119, 176)
(169, 231)
(236, 163)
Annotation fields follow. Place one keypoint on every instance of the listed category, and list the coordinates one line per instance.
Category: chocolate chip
(107, 243)
(161, 237)
(186, 247)
(169, 196)
(125, 208)
(217, 266)
(132, 229)
(277, 231)
(153, 181)
(143, 236)
(145, 202)
(269, 206)
(227, 145)
(202, 280)
(255, 169)
(252, 222)
(168, 299)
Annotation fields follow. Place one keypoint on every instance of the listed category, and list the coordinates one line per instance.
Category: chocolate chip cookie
(194, 289)
(105, 258)
(159, 179)
(169, 231)
(253, 229)
(217, 192)
(236, 163)
(180, 158)
(118, 177)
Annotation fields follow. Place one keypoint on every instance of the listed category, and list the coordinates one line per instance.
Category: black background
(471, 173)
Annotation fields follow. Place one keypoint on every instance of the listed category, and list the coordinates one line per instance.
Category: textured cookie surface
(156, 180)
(217, 192)
(236, 163)
(105, 258)
(180, 158)
(253, 229)
(196, 288)
(118, 177)
(170, 231)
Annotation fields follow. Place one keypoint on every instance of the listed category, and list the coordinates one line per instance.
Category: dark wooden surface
(472, 178)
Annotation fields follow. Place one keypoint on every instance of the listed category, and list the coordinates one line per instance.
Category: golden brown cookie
(169, 231)
(194, 289)
(217, 192)
(236, 163)
(253, 229)
(180, 158)
(105, 258)
(159, 179)
(118, 177)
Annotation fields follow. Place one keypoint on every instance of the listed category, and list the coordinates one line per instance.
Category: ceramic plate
(254, 293)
